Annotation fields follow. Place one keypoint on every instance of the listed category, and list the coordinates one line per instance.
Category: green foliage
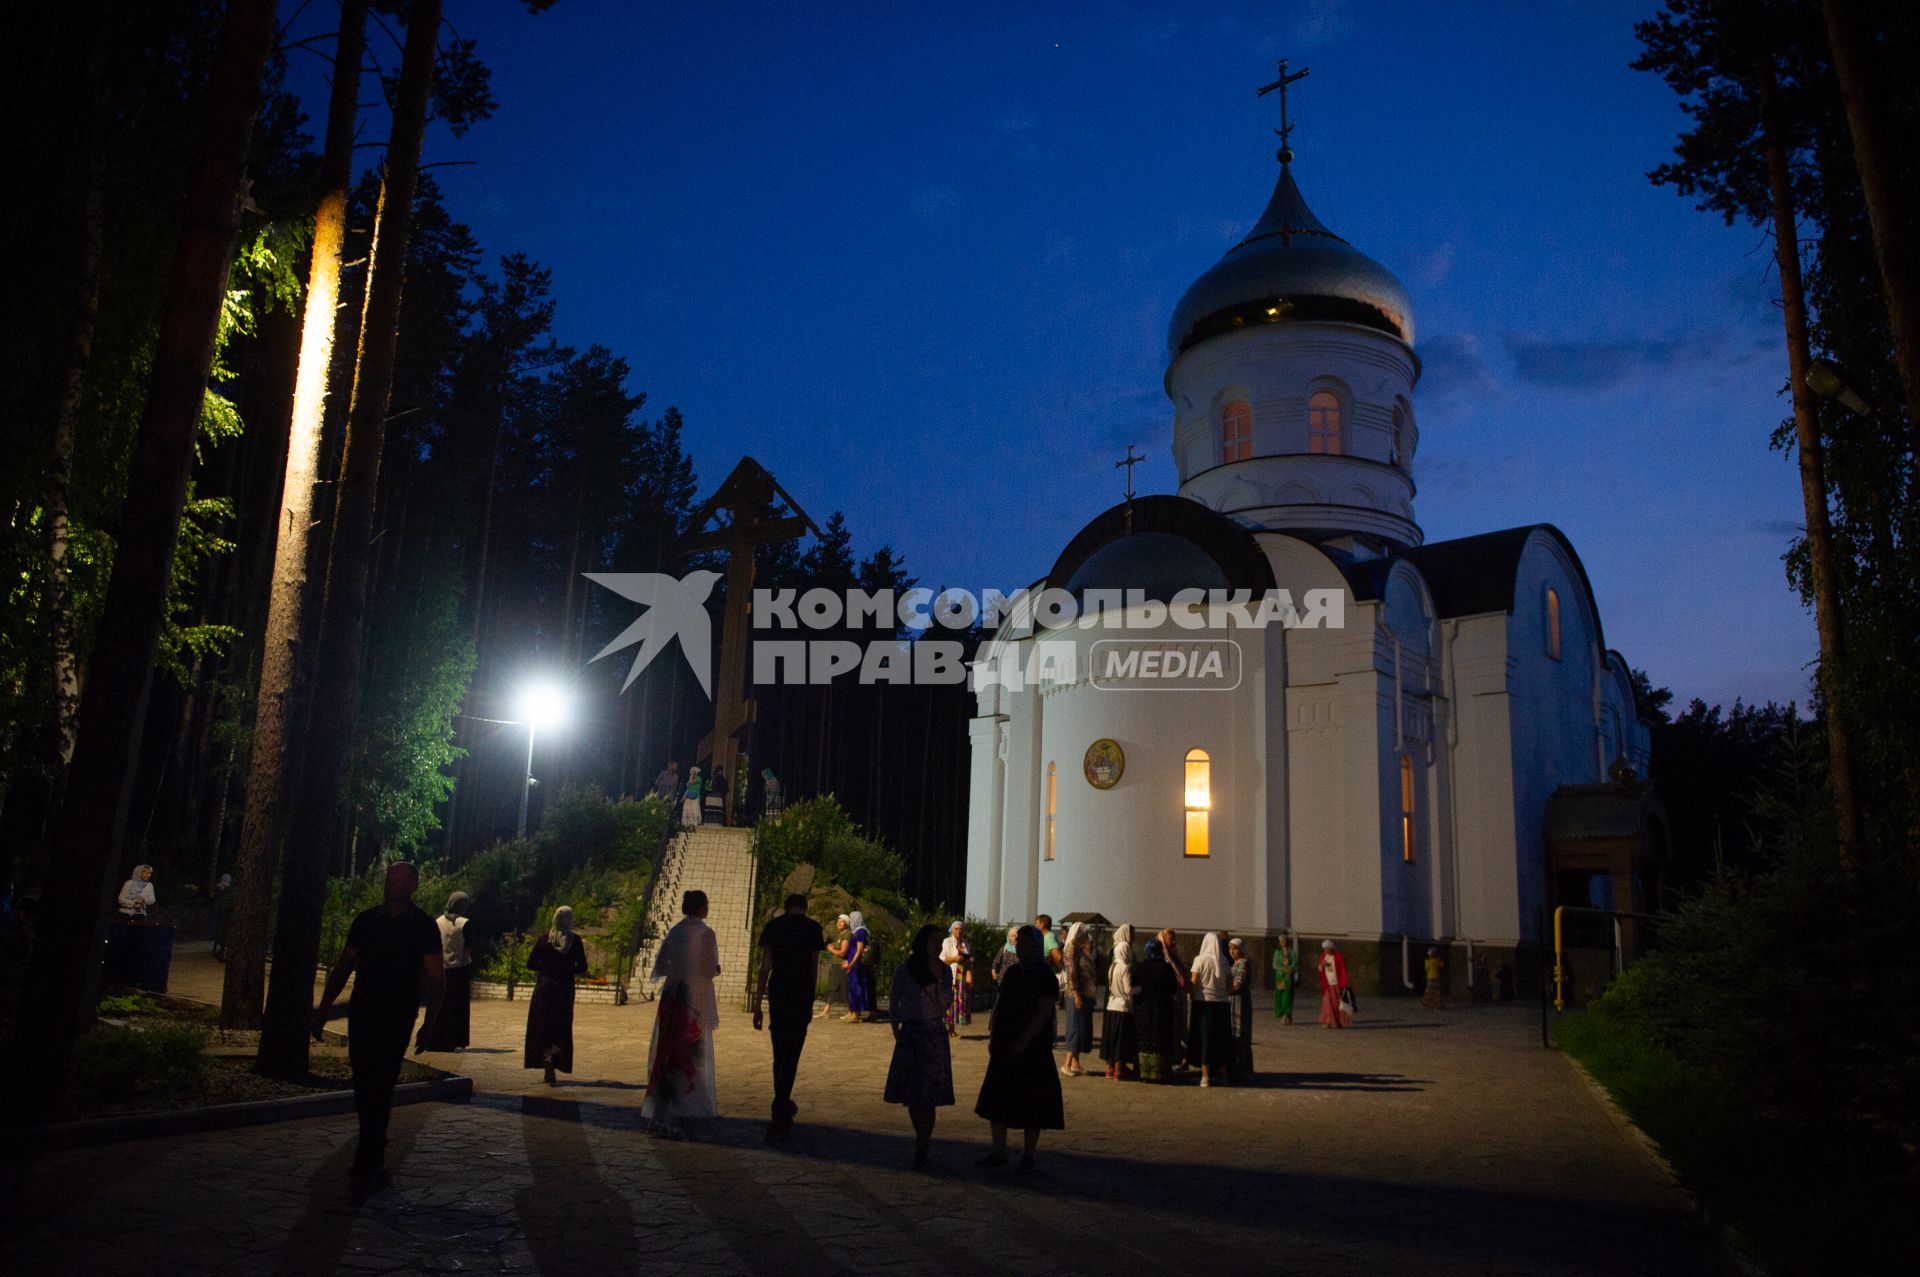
(506, 961)
(583, 826)
(817, 831)
(134, 1064)
(128, 1004)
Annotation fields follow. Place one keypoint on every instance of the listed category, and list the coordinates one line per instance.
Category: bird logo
(676, 608)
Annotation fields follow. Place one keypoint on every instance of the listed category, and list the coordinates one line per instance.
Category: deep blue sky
(919, 260)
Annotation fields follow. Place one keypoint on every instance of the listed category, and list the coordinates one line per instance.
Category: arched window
(1199, 801)
(1402, 454)
(1323, 423)
(1053, 799)
(1553, 624)
(1406, 808)
(1236, 431)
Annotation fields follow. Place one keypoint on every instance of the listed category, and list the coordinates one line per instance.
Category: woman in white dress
(680, 1060)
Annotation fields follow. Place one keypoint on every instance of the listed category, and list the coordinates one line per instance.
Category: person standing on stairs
(690, 799)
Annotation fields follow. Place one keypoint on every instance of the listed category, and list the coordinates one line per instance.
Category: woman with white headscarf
(1336, 994)
(858, 964)
(680, 1080)
(1076, 981)
(1120, 1039)
(136, 893)
(690, 798)
(556, 958)
(1210, 1031)
(958, 956)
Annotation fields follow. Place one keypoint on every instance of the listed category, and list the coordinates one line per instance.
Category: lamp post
(541, 705)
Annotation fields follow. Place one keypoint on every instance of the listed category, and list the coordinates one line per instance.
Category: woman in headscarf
(1119, 1042)
(1076, 978)
(1155, 985)
(1336, 996)
(957, 955)
(690, 799)
(136, 893)
(858, 965)
(1020, 1088)
(773, 799)
(557, 957)
(1240, 1066)
(920, 1075)
(1210, 1031)
(1286, 974)
(451, 1025)
(837, 969)
(1004, 960)
(680, 1080)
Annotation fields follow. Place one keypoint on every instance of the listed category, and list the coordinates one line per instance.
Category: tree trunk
(266, 788)
(311, 837)
(1893, 245)
(63, 975)
(1813, 485)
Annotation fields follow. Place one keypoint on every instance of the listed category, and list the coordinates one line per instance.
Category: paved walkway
(1423, 1142)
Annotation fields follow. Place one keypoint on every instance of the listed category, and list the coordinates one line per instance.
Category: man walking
(790, 947)
(395, 948)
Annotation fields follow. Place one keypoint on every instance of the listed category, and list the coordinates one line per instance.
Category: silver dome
(1290, 266)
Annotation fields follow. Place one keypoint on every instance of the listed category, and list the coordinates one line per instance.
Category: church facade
(1432, 770)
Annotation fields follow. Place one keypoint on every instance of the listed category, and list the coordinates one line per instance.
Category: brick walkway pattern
(1421, 1142)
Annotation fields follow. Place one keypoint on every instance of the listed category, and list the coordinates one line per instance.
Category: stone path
(1421, 1142)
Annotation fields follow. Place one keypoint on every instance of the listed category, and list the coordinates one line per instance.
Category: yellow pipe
(1559, 972)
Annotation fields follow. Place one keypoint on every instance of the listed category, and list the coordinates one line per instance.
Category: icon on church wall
(1104, 763)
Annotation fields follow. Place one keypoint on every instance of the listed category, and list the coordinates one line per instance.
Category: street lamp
(541, 705)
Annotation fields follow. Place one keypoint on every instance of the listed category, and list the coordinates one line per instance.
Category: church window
(1053, 798)
(1400, 457)
(1199, 800)
(1406, 808)
(1236, 432)
(1323, 423)
(1553, 624)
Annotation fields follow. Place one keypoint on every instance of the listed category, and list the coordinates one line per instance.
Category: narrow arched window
(1406, 808)
(1323, 423)
(1553, 624)
(1401, 454)
(1199, 801)
(1236, 431)
(1053, 800)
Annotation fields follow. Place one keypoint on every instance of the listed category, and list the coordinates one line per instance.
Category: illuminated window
(1236, 432)
(1199, 801)
(1053, 797)
(1406, 808)
(1553, 624)
(1323, 423)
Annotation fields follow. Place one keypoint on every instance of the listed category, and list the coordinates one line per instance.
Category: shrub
(818, 832)
(112, 1063)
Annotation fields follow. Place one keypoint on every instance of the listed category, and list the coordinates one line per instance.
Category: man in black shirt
(790, 948)
(395, 948)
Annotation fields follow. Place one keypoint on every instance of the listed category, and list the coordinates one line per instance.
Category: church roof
(1169, 544)
(1290, 267)
(1469, 576)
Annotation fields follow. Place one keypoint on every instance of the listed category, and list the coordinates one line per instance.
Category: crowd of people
(702, 797)
(1163, 1015)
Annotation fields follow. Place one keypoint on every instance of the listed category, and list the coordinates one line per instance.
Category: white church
(1457, 757)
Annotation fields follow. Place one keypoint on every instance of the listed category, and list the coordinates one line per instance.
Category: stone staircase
(718, 861)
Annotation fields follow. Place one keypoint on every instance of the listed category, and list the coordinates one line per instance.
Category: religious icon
(1104, 763)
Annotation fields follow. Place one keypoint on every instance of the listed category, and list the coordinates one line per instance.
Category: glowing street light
(542, 705)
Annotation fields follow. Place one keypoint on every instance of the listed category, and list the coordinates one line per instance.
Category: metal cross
(1285, 129)
(1129, 463)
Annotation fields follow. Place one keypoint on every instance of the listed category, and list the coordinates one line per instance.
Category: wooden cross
(750, 496)
(1285, 129)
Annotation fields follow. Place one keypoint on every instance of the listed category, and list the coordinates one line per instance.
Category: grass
(1797, 1198)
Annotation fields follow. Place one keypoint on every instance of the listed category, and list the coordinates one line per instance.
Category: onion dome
(1290, 267)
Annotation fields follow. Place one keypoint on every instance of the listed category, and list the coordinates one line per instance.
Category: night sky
(919, 261)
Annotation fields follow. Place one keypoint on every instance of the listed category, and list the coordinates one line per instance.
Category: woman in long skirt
(1003, 962)
(451, 1024)
(1020, 1088)
(690, 799)
(557, 957)
(680, 1082)
(1285, 976)
(859, 969)
(1077, 967)
(920, 1075)
(1156, 1013)
(1119, 1042)
(1335, 999)
(1240, 1067)
(957, 956)
(1210, 1032)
